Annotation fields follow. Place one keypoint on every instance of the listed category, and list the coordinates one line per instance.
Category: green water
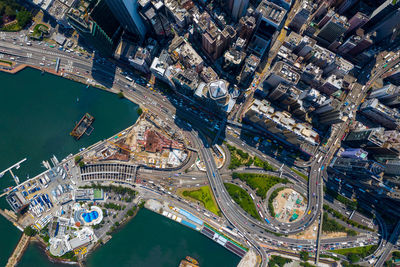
(37, 112)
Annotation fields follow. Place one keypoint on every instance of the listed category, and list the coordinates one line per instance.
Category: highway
(36, 54)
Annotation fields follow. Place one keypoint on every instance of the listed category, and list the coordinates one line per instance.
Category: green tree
(29, 231)
(24, 17)
(139, 111)
(9, 11)
(81, 164)
(77, 159)
(121, 95)
(130, 212)
(353, 258)
(304, 256)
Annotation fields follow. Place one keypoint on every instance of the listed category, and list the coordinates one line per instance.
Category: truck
(129, 78)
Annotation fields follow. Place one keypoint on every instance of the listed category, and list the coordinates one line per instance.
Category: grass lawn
(205, 196)
(302, 175)
(361, 251)
(96, 193)
(238, 158)
(12, 28)
(241, 158)
(261, 183)
(243, 199)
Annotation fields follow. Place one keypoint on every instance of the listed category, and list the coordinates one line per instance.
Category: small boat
(1, 175)
(87, 86)
(77, 99)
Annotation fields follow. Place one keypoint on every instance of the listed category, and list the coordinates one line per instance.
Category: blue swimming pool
(90, 216)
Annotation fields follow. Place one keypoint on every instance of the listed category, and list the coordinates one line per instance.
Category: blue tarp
(190, 217)
(191, 225)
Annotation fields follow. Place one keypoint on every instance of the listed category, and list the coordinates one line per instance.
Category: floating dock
(83, 126)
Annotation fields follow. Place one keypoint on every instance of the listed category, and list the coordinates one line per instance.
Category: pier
(18, 251)
(83, 126)
(16, 165)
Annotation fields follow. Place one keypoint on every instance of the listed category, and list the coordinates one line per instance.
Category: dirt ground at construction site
(311, 233)
(289, 205)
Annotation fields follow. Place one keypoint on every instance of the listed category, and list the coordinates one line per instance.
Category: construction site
(150, 142)
(289, 205)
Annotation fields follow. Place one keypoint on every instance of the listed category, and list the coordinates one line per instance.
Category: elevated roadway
(34, 55)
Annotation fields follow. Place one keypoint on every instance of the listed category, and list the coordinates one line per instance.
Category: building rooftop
(286, 71)
(271, 11)
(218, 89)
(285, 121)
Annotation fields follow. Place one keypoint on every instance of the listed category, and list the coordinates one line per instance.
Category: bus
(251, 195)
(129, 78)
(266, 220)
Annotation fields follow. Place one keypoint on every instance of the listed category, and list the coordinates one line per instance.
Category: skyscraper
(238, 8)
(335, 27)
(102, 34)
(357, 21)
(126, 11)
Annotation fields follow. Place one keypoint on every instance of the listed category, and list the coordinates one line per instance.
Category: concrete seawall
(18, 251)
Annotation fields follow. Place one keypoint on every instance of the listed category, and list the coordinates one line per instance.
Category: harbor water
(37, 113)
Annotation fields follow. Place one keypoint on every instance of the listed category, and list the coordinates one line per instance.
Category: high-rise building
(247, 26)
(332, 117)
(331, 85)
(281, 72)
(386, 92)
(369, 138)
(126, 11)
(213, 40)
(238, 8)
(333, 29)
(385, 10)
(355, 44)
(380, 114)
(278, 92)
(301, 17)
(270, 19)
(250, 66)
(357, 21)
(387, 27)
(363, 42)
(394, 77)
(354, 153)
(328, 106)
(345, 5)
(103, 35)
(392, 167)
(361, 169)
